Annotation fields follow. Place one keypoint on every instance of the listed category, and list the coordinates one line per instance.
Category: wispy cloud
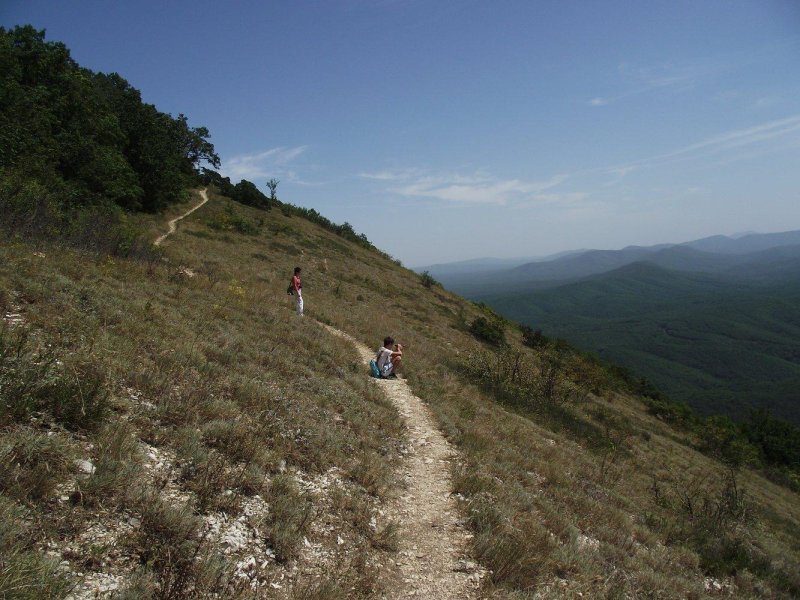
(391, 175)
(735, 139)
(738, 138)
(476, 188)
(269, 163)
(637, 80)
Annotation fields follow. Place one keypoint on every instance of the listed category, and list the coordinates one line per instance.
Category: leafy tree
(88, 137)
(778, 440)
(272, 184)
(196, 147)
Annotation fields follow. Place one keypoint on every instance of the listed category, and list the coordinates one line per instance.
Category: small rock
(465, 566)
(84, 467)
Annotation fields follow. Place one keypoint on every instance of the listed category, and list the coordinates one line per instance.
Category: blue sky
(447, 130)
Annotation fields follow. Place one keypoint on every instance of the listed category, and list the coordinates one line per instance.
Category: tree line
(78, 148)
(89, 136)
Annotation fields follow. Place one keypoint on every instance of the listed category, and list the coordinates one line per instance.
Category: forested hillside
(170, 428)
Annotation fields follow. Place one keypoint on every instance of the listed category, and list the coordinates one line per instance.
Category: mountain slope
(722, 346)
(254, 434)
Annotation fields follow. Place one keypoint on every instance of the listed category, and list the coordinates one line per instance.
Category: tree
(195, 145)
(272, 184)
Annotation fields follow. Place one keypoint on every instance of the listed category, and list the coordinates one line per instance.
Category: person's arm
(398, 352)
(297, 285)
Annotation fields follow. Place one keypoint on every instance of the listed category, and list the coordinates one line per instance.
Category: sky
(453, 129)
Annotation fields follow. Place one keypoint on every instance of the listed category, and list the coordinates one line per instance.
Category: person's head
(297, 270)
(388, 341)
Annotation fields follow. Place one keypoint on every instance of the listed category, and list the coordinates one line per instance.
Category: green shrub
(34, 379)
(427, 279)
(491, 332)
(171, 544)
(533, 338)
(721, 438)
(289, 517)
(32, 463)
(24, 573)
(116, 466)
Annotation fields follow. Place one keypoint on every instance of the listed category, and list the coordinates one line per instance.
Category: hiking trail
(431, 559)
(173, 224)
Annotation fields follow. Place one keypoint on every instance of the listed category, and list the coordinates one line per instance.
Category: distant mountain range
(489, 277)
(714, 322)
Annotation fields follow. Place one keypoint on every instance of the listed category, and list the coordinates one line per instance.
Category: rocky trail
(432, 560)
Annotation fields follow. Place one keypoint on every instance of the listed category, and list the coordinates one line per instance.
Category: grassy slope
(551, 512)
(721, 346)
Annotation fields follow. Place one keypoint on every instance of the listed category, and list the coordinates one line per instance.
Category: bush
(35, 380)
(31, 464)
(171, 543)
(676, 413)
(24, 573)
(230, 220)
(533, 338)
(491, 332)
(427, 279)
(721, 438)
(713, 515)
(288, 519)
(31, 210)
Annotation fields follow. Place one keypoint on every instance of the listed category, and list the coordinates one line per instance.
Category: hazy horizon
(459, 129)
(735, 234)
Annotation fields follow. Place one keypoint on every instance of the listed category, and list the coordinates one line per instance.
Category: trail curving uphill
(432, 560)
(173, 224)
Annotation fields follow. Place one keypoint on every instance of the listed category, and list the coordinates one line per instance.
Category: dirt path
(173, 224)
(432, 558)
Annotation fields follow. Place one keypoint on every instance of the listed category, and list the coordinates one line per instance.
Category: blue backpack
(373, 366)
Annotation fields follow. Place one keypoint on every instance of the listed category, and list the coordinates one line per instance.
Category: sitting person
(389, 358)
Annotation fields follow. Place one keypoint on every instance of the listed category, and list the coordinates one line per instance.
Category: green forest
(79, 150)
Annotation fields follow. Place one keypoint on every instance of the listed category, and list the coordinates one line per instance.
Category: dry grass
(557, 471)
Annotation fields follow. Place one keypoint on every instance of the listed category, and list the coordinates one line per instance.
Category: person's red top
(296, 283)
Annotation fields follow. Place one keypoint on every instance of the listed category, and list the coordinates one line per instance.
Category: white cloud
(391, 175)
(269, 163)
(598, 101)
(477, 189)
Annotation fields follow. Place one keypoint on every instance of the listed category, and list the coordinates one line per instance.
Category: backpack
(290, 290)
(373, 366)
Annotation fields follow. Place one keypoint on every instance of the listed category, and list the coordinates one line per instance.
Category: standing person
(297, 286)
(389, 358)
